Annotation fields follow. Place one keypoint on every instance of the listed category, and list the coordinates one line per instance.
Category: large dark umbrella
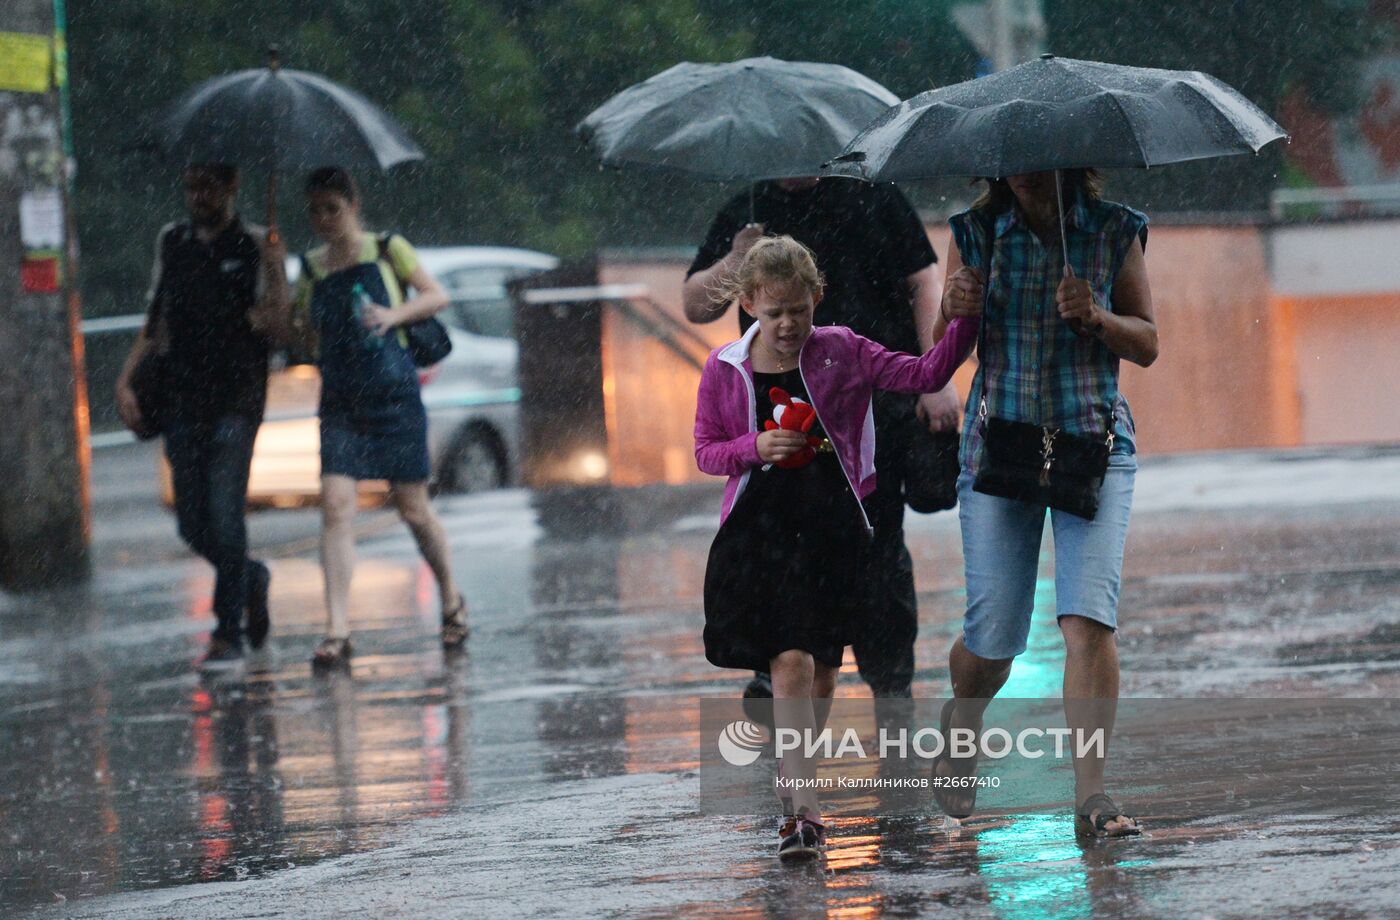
(1059, 113)
(758, 118)
(278, 120)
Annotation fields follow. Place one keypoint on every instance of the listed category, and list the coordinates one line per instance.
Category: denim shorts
(1001, 554)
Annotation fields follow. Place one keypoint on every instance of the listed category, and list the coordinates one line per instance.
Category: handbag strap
(381, 242)
(381, 254)
(987, 224)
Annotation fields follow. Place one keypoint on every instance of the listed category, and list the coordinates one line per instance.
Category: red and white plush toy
(791, 413)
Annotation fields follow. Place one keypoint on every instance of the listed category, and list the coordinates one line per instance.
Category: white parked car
(471, 397)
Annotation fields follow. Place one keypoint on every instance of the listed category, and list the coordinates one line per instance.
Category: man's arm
(127, 407)
(697, 292)
(925, 292)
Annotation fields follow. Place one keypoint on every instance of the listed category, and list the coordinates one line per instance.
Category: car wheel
(477, 463)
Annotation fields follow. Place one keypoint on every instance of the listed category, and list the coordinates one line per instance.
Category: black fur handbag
(1041, 465)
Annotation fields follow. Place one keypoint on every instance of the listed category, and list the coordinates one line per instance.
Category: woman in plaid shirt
(1052, 339)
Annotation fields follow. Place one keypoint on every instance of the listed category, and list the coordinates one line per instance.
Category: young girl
(373, 425)
(787, 561)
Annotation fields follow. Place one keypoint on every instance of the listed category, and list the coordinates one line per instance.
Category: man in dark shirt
(879, 267)
(207, 312)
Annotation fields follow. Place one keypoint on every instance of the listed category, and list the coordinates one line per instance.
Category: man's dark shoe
(760, 688)
(259, 617)
(758, 695)
(222, 655)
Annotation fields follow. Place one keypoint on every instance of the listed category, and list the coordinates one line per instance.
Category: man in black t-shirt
(881, 281)
(207, 311)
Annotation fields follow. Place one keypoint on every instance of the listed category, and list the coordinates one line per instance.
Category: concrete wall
(1338, 287)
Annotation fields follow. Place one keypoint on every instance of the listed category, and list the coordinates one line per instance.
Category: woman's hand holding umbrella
(1074, 300)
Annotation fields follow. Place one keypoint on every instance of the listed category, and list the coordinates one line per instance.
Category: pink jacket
(840, 370)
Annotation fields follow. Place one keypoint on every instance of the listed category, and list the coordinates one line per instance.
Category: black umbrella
(278, 120)
(758, 118)
(1059, 113)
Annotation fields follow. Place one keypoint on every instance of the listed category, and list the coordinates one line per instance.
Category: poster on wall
(26, 62)
(41, 240)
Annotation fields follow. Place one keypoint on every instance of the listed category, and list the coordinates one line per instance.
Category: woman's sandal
(1088, 823)
(332, 653)
(956, 802)
(454, 625)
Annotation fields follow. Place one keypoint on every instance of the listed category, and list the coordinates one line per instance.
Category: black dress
(784, 569)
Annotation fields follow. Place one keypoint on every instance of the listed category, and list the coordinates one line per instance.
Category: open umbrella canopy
(1059, 113)
(758, 118)
(274, 119)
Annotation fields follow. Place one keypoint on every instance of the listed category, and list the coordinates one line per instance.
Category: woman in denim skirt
(352, 294)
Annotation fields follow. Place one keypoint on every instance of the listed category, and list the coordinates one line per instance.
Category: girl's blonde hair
(773, 262)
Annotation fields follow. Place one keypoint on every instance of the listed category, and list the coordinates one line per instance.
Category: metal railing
(101, 374)
(634, 303)
(129, 323)
(1341, 201)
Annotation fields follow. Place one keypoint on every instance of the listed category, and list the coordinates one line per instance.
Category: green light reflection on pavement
(1038, 672)
(1034, 868)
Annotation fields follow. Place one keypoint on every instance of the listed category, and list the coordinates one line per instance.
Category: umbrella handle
(1076, 325)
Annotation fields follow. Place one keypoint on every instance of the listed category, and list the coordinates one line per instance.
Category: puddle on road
(126, 772)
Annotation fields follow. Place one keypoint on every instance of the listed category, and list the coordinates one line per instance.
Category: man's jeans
(209, 463)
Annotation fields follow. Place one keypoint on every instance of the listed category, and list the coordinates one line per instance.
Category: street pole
(1005, 32)
(44, 527)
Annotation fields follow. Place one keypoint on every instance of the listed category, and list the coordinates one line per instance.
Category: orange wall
(1223, 378)
(1240, 365)
(649, 401)
(1348, 360)
(648, 393)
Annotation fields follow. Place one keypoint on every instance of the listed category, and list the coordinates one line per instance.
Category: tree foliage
(1262, 49)
(492, 90)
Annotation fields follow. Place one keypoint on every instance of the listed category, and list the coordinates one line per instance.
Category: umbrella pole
(274, 64)
(752, 186)
(1074, 324)
(272, 234)
(1060, 210)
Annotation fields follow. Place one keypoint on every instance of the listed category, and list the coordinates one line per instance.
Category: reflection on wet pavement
(549, 769)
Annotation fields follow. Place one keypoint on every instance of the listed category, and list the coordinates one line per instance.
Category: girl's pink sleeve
(716, 452)
(901, 373)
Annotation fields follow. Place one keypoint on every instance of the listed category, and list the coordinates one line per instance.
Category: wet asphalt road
(549, 770)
